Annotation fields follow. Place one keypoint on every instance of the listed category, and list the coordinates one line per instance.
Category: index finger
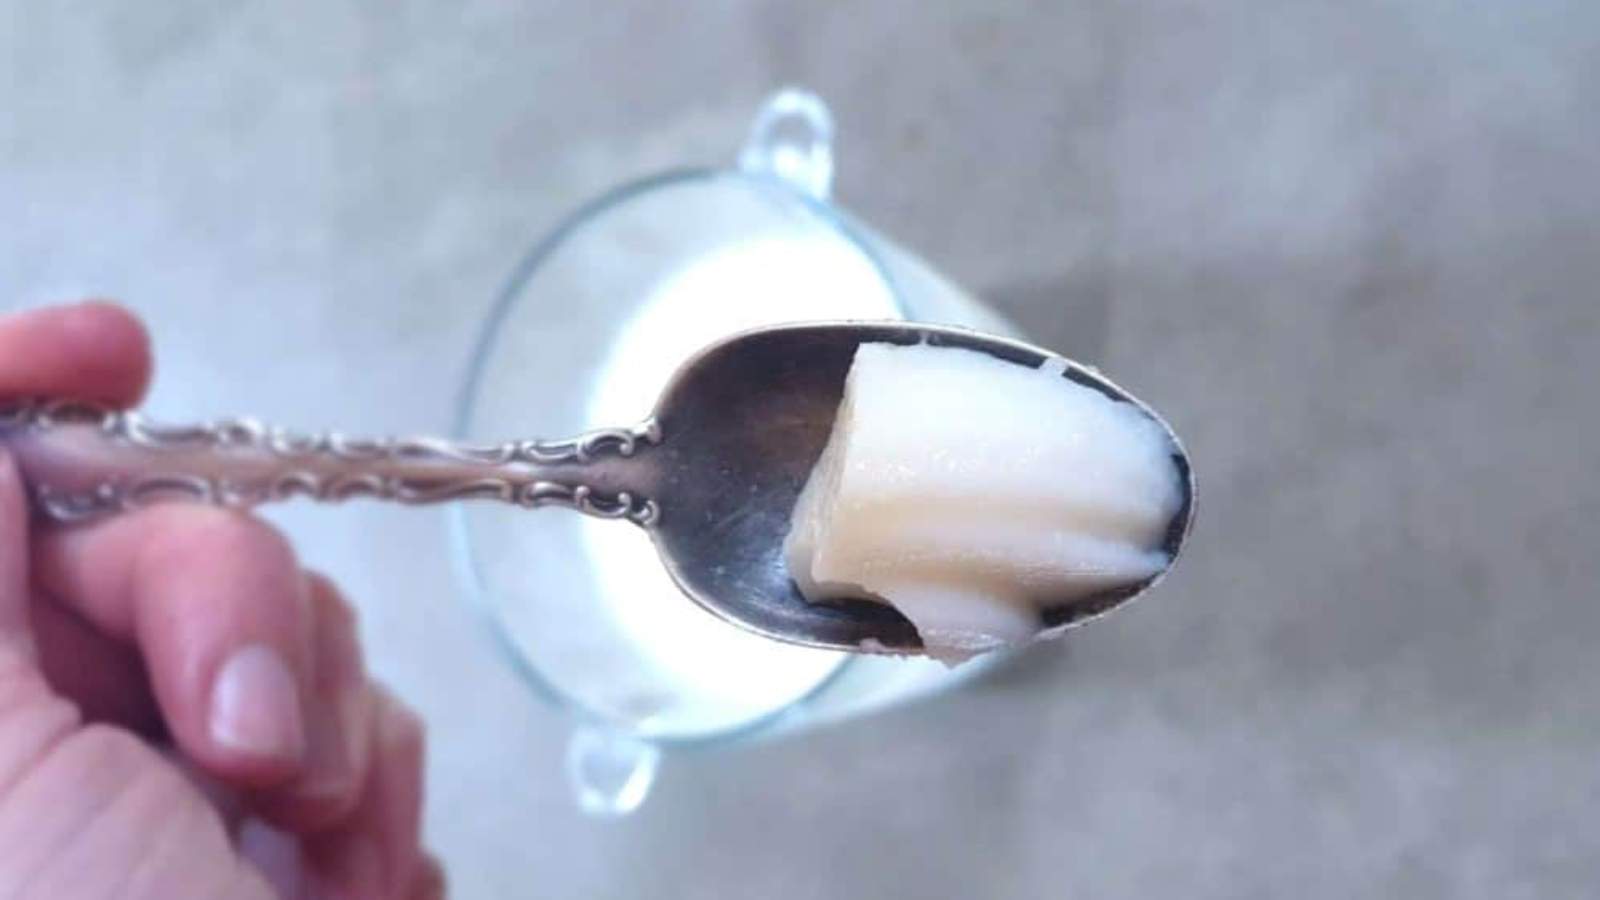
(88, 351)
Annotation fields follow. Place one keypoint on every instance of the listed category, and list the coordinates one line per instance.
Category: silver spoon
(713, 475)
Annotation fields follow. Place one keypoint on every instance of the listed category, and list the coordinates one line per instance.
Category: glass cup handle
(791, 139)
(610, 773)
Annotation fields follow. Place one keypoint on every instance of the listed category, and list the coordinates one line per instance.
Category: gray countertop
(1350, 249)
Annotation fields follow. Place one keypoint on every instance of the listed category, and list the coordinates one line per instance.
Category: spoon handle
(83, 462)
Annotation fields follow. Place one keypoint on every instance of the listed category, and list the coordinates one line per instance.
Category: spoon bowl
(742, 425)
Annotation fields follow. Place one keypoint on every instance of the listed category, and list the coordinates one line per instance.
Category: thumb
(16, 633)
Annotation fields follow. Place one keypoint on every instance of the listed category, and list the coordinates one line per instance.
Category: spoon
(713, 476)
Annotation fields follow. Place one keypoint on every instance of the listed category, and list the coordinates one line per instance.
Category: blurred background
(1350, 249)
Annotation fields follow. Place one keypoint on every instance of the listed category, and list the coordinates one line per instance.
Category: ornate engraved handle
(83, 461)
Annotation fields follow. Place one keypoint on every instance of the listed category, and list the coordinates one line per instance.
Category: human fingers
(377, 851)
(88, 351)
(339, 713)
(218, 609)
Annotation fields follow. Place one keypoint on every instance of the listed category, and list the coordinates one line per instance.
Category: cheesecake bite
(970, 493)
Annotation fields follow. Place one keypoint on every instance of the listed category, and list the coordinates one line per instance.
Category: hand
(184, 711)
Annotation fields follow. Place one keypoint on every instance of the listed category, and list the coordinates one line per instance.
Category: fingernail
(255, 706)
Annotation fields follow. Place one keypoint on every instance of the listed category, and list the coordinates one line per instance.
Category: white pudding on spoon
(969, 492)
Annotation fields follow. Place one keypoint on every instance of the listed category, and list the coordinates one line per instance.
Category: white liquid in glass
(715, 674)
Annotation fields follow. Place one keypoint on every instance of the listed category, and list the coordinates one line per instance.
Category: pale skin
(184, 711)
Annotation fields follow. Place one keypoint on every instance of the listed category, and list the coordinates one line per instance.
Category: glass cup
(590, 327)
